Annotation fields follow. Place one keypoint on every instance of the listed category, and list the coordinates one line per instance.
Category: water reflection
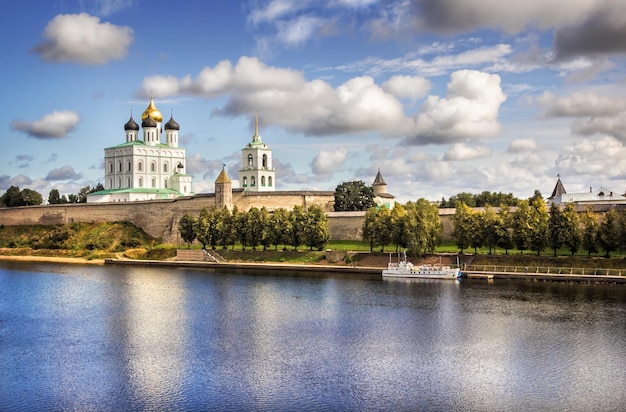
(128, 338)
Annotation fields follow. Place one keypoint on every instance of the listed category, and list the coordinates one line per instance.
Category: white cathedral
(150, 169)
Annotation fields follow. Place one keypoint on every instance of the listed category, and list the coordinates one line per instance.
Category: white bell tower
(257, 173)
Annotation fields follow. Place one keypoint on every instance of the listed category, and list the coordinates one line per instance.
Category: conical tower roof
(559, 189)
(379, 179)
(223, 177)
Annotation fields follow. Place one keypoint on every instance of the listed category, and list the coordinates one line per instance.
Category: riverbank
(370, 272)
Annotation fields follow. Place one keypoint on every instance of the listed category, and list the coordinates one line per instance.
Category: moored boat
(405, 269)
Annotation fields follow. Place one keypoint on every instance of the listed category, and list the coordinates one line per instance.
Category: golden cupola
(153, 112)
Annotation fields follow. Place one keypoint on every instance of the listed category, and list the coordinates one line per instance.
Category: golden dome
(153, 112)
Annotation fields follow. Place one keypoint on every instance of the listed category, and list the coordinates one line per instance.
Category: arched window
(250, 162)
(111, 183)
(140, 166)
(153, 167)
(110, 167)
(165, 167)
(128, 182)
(264, 160)
(141, 182)
(262, 180)
(269, 181)
(245, 181)
(119, 182)
(252, 181)
(165, 183)
(119, 167)
(153, 182)
(129, 167)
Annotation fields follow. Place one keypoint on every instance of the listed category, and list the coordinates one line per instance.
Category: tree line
(256, 228)
(532, 227)
(415, 226)
(14, 197)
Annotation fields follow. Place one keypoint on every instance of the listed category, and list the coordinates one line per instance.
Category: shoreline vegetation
(102, 243)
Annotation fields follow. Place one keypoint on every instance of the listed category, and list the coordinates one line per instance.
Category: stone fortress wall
(159, 218)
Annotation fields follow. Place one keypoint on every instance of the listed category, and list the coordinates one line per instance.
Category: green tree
(297, 220)
(505, 229)
(264, 216)
(463, 225)
(54, 198)
(82, 195)
(608, 233)
(369, 227)
(572, 232)
(353, 196)
(521, 226)
(590, 230)
(316, 232)
(187, 229)
(206, 227)
(490, 225)
(423, 227)
(556, 228)
(538, 224)
(382, 227)
(398, 226)
(279, 228)
(227, 232)
(254, 227)
(30, 197)
(11, 197)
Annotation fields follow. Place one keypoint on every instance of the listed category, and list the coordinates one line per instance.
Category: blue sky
(443, 96)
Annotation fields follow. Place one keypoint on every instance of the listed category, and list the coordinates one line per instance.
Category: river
(118, 338)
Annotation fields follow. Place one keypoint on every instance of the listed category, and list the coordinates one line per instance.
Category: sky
(443, 96)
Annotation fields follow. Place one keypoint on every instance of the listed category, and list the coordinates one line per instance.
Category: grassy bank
(124, 240)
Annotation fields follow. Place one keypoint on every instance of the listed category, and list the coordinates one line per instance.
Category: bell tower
(257, 173)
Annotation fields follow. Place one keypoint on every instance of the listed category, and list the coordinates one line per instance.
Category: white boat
(404, 269)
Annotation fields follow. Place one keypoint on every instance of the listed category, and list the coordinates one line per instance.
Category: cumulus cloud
(54, 125)
(288, 100)
(591, 157)
(522, 146)
(328, 161)
(581, 104)
(469, 111)
(62, 173)
(593, 113)
(81, 38)
(407, 87)
(462, 151)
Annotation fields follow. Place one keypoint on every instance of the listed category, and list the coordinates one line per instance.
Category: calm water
(83, 338)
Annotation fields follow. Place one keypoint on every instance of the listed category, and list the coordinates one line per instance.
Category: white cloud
(592, 157)
(308, 107)
(594, 113)
(469, 111)
(462, 151)
(81, 38)
(407, 87)
(522, 145)
(54, 125)
(274, 10)
(328, 161)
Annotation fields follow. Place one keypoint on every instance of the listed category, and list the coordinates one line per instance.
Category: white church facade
(146, 168)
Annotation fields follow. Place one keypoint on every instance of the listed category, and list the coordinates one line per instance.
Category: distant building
(148, 169)
(145, 169)
(598, 199)
(381, 197)
(256, 173)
